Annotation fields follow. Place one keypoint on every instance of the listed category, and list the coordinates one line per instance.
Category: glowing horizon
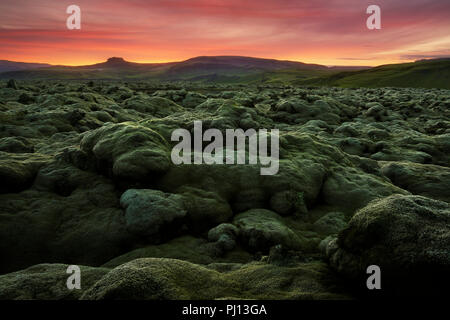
(323, 32)
(91, 62)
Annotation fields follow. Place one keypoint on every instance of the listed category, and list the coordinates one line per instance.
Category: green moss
(155, 278)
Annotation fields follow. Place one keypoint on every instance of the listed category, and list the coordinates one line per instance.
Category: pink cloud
(312, 31)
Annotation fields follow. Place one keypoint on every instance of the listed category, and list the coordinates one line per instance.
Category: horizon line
(178, 61)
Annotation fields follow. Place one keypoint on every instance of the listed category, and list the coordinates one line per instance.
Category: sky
(330, 32)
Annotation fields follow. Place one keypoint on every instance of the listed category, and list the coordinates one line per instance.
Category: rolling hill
(213, 68)
(246, 70)
(420, 74)
(6, 65)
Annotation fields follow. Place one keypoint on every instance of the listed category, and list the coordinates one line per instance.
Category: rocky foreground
(87, 179)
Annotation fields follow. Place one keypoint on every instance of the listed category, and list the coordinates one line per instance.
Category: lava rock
(406, 236)
(150, 212)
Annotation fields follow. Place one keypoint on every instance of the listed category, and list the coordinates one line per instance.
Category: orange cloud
(326, 32)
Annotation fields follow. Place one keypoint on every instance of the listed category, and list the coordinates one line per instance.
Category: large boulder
(423, 179)
(298, 182)
(224, 235)
(148, 213)
(408, 237)
(204, 209)
(319, 110)
(127, 150)
(353, 189)
(287, 202)
(260, 229)
(156, 279)
(62, 178)
(17, 171)
(156, 106)
(193, 99)
(84, 227)
(16, 145)
(330, 223)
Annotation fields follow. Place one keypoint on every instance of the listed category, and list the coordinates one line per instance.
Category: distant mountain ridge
(202, 68)
(247, 70)
(6, 65)
(249, 62)
(197, 63)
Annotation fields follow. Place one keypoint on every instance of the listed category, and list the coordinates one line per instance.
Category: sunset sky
(313, 31)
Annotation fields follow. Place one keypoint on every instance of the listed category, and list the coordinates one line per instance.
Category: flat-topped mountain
(115, 62)
(121, 63)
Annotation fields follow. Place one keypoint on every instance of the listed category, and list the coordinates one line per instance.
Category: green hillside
(420, 74)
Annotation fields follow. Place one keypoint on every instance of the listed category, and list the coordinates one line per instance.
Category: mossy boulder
(353, 189)
(260, 229)
(148, 213)
(155, 106)
(224, 235)
(204, 209)
(155, 279)
(422, 179)
(127, 151)
(46, 282)
(86, 226)
(160, 278)
(406, 236)
(62, 178)
(16, 145)
(331, 223)
(17, 171)
(193, 99)
(288, 202)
